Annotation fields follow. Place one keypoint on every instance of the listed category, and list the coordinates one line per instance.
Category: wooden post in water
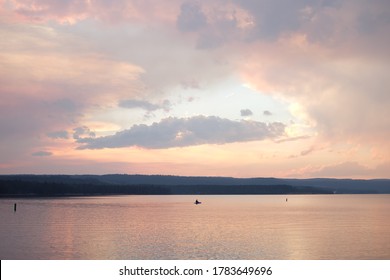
(14, 207)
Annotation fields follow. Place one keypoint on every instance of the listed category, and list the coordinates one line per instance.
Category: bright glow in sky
(238, 88)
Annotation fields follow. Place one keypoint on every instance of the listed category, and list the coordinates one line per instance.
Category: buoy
(15, 207)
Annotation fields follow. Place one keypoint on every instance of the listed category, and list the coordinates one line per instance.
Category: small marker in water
(14, 207)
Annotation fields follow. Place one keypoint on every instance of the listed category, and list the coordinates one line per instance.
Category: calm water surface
(172, 227)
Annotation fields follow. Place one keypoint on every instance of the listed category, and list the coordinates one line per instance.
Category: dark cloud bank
(182, 132)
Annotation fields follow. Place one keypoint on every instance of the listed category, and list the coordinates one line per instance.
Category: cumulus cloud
(328, 56)
(42, 154)
(83, 132)
(181, 132)
(274, 17)
(246, 113)
(340, 83)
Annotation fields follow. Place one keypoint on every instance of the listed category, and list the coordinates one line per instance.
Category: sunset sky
(250, 88)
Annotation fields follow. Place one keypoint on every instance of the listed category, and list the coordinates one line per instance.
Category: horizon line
(195, 176)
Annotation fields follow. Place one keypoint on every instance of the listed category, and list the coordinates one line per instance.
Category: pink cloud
(331, 61)
(47, 86)
(72, 11)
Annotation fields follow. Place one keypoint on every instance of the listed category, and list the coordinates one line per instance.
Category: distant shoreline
(24, 186)
(105, 195)
(25, 196)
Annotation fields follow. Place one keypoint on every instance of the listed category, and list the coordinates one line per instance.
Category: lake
(172, 227)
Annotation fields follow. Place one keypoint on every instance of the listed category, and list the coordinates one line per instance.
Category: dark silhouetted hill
(116, 184)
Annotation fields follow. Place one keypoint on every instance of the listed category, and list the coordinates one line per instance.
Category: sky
(241, 88)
